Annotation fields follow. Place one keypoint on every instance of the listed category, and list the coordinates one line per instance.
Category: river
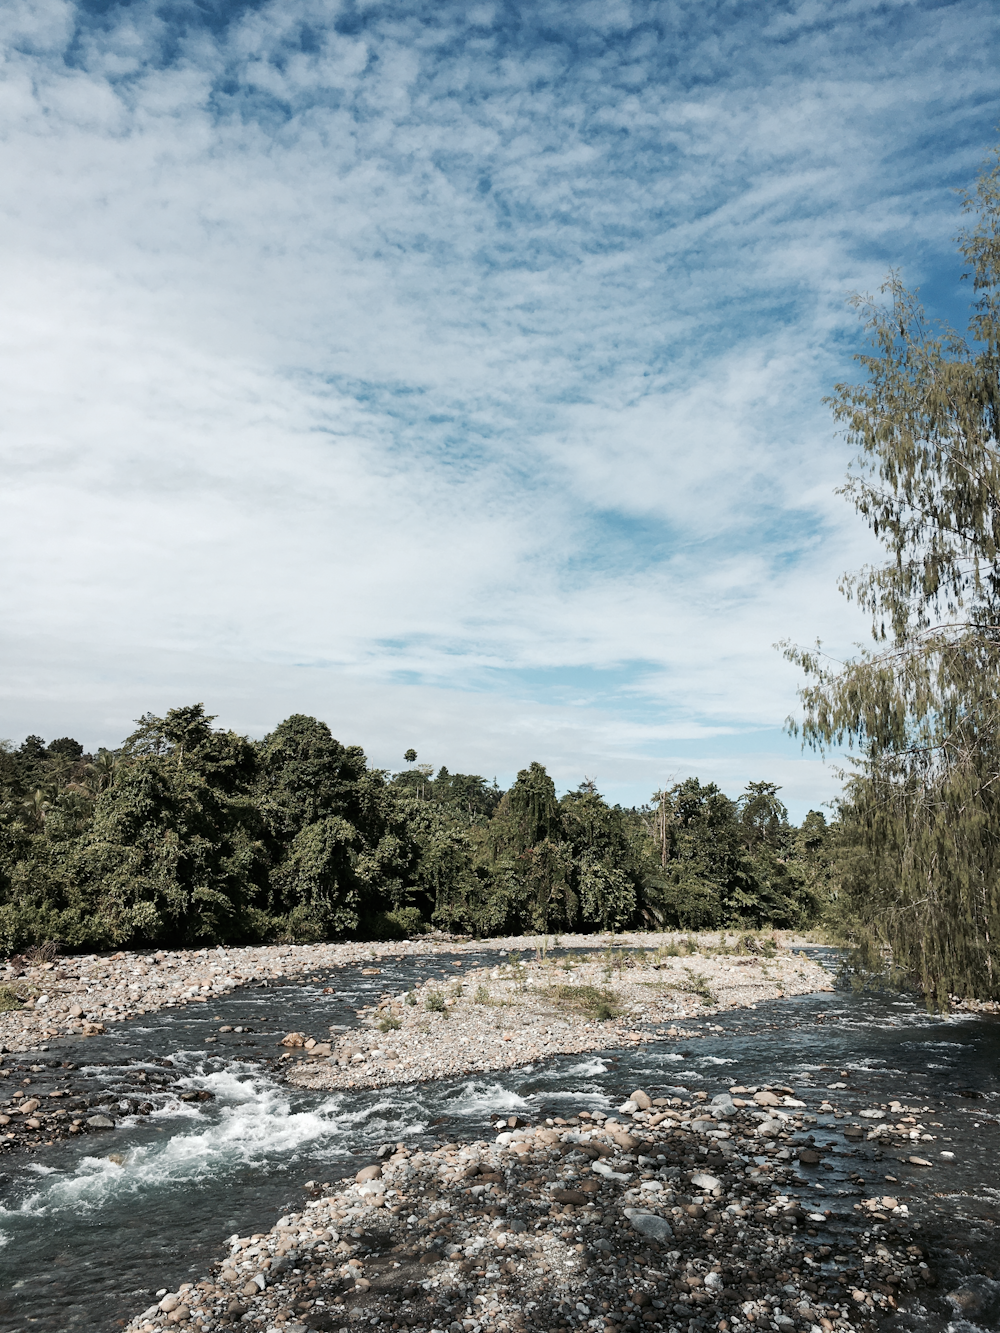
(86, 1240)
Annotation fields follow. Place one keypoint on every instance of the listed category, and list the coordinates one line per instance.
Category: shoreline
(81, 994)
(655, 1216)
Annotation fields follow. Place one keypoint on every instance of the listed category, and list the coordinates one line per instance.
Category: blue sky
(454, 372)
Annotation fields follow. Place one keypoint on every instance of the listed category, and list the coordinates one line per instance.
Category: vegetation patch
(599, 1005)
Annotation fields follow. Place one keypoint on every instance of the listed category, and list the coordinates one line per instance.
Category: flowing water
(86, 1240)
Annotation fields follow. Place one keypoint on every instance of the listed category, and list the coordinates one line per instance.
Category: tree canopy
(187, 833)
(921, 704)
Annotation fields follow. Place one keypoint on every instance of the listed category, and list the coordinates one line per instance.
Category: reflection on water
(87, 1239)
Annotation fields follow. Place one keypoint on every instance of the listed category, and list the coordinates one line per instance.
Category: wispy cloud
(454, 370)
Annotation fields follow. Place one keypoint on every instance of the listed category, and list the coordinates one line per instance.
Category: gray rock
(702, 1181)
(100, 1122)
(652, 1226)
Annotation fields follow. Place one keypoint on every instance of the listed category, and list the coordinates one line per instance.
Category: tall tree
(923, 703)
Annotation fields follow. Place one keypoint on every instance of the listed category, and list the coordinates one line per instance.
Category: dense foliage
(190, 834)
(921, 823)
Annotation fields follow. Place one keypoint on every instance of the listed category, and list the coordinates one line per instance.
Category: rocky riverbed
(529, 1006)
(658, 1215)
(82, 994)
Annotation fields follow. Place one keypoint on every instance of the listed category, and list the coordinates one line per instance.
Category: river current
(91, 1227)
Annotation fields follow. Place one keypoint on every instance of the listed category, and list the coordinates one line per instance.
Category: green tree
(922, 705)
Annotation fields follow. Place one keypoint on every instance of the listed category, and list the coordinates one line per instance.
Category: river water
(86, 1240)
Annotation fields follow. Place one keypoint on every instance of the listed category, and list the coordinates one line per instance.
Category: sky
(454, 372)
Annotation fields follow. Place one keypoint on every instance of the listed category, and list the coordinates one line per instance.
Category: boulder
(294, 1039)
(766, 1099)
(100, 1122)
(27, 1107)
(642, 1100)
(368, 1173)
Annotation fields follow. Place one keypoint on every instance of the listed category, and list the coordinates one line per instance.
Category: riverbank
(80, 995)
(657, 1216)
(528, 1007)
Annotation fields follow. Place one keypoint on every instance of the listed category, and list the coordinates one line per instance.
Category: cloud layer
(454, 371)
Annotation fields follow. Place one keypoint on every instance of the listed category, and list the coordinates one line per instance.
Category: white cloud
(451, 361)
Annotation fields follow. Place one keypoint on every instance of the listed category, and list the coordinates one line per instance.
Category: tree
(410, 756)
(922, 705)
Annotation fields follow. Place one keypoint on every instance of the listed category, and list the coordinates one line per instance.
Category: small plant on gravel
(599, 1005)
(389, 1024)
(455, 990)
(434, 1004)
(38, 954)
(482, 995)
(409, 998)
(9, 999)
(698, 985)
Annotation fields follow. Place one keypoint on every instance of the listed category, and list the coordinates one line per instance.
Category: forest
(190, 834)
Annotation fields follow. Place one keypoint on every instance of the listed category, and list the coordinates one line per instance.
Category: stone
(809, 1156)
(368, 1173)
(889, 1202)
(766, 1099)
(702, 1181)
(26, 1108)
(294, 1039)
(642, 1100)
(180, 1315)
(627, 1141)
(100, 1122)
(652, 1226)
(169, 1303)
(769, 1129)
(76, 1011)
(918, 1161)
(570, 1196)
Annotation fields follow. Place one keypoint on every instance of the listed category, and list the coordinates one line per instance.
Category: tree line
(190, 834)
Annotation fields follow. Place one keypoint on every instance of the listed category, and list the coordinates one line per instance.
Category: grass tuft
(599, 1005)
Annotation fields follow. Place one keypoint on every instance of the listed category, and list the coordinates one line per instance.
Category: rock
(642, 1100)
(769, 1129)
(27, 1107)
(294, 1039)
(854, 1132)
(702, 1181)
(889, 1202)
(570, 1196)
(947, 1156)
(169, 1303)
(872, 1115)
(966, 1300)
(766, 1099)
(368, 1173)
(100, 1122)
(76, 1011)
(713, 1281)
(809, 1156)
(651, 1225)
(918, 1161)
(180, 1315)
(627, 1141)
